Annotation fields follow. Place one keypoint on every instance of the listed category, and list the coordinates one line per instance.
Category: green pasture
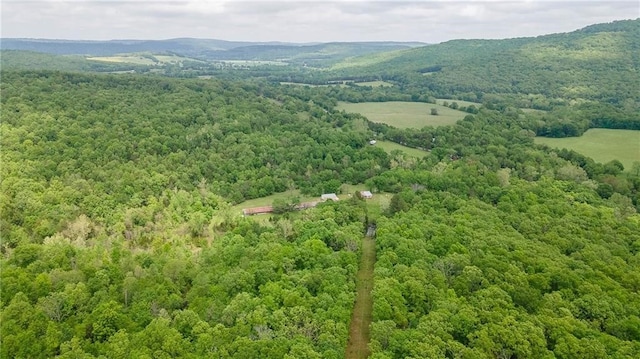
(404, 114)
(268, 200)
(130, 59)
(375, 84)
(142, 59)
(254, 62)
(173, 59)
(311, 85)
(603, 145)
(376, 205)
(440, 101)
(389, 146)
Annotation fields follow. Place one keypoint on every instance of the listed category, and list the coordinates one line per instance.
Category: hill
(112, 47)
(30, 60)
(323, 54)
(599, 62)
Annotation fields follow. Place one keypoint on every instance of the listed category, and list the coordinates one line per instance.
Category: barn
(366, 194)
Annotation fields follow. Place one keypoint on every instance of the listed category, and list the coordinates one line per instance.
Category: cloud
(304, 20)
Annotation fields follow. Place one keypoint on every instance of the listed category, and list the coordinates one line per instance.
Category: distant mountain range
(210, 49)
(599, 62)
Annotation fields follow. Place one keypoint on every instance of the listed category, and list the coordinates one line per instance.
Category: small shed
(331, 196)
(257, 210)
(372, 142)
(366, 194)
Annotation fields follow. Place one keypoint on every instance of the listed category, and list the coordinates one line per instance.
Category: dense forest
(119, 238)
(595, 63)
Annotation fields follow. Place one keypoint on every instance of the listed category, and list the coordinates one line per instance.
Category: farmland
(389, 146)
(142, 59)
(405, 114)
(441, 101)
(602, 145)
(375, 84)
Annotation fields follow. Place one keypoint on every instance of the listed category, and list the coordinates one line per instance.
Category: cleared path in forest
(359, 335)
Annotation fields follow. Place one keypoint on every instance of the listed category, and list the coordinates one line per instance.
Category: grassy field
(440, 101)
(254, 62)
(375, 84)
(602, 145)
(377, 204)
(404, 114)
(390, 146)
(268, 200)
(142, 59)
(130, 59)
(311, 85)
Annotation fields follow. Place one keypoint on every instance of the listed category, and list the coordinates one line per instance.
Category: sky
(304, 20)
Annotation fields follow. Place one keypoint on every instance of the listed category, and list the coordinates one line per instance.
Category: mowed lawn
(404, 114)
(603, 145)
(389, 146)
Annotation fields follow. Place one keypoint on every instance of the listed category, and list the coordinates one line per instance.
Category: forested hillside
(116, 229)
(599, 62)
(312, 54)
(118, 238)
(100, 144)
(29, 60)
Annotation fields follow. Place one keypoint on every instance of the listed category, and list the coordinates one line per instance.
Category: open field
(375, 84)
(142, 59)
(404, 114)
(173, 59)
(603, 145)
(389, 146)
(311, 85)
(440, 101)
(268, 200)
(254, 62)
(130, 59)
(376, 205)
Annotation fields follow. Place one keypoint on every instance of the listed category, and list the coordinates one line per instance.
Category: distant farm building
(257, 210)
(304, 205)
(331, 196)
(366, 194)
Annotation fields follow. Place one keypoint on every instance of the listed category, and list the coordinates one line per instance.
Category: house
(366, 194)
(331, 196)
(257, 210)
(372, 142)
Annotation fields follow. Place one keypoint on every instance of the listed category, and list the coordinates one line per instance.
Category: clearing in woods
(359, 335)
(603, 145)
(404, 114)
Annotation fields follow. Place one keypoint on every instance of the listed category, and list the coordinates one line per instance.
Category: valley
(457, 230)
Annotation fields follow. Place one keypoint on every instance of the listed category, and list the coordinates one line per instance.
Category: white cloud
(304, 20)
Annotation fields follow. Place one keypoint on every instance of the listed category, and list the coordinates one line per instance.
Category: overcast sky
(304, 20)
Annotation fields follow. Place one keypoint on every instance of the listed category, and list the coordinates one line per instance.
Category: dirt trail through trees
(361, 318)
